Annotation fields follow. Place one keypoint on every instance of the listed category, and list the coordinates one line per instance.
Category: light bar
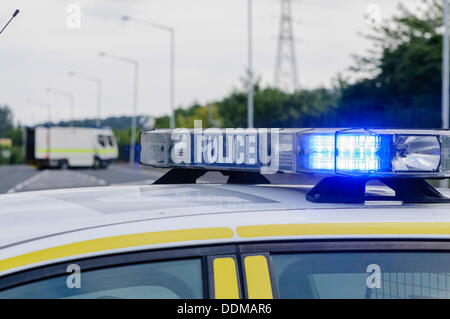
(353, 152)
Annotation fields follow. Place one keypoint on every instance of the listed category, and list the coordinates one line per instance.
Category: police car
(373, 227)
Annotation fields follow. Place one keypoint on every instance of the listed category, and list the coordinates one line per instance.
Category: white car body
(46, 227)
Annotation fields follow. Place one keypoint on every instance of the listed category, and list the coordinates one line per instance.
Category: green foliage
(162, 122)
(186, 117)
(123, 141)
(117, 123)
(8, 130)
(16, 155)
(275, 108)
(233, 109)
(6, 120)
(406, 67)
(15, 134)
(312, 108)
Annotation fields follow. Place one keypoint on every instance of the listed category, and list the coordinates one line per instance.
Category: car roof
(193, 214)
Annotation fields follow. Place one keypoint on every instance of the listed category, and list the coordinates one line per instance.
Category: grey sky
(37, 50)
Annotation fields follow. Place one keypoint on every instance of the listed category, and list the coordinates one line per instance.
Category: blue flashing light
(320, 149)
(349, 153)
(357, 152)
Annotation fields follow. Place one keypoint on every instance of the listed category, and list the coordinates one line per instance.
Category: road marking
(151, 172)
(45, 173)
(142, 182)
(92, 179)
(28, 181)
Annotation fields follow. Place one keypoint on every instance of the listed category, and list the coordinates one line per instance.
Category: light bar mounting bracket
(190, 176)
(352, 190)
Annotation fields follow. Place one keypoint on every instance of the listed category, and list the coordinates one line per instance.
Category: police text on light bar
(354, 152)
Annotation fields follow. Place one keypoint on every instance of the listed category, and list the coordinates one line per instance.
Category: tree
(404, 86)
(6, 120)
(275, 108)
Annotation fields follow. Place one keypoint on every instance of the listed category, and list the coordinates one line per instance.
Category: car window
(110, 140)
(101, 140)
(180, 279)
(362, 275)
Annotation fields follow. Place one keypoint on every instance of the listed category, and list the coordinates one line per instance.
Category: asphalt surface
(22, 178)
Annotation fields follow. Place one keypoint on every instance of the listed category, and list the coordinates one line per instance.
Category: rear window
(362, 275)
(110, 140)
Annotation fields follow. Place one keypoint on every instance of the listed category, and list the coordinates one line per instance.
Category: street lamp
(250, 67)
(445, 79)
(70, 96)
(40, 103)
(445, 70)
(135, 95)
(99, 92)
(172, 60)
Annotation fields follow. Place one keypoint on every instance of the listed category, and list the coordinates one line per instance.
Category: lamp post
(71, 98)
(172, 60)
(250, 67)
(48, 106)
(445, 78)
(99, 92)
(135, 95)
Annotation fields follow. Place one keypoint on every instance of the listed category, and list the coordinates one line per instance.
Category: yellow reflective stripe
(66, 150)
(115, 242)
(106, 151)
(77, 150)
(225, 279)
(394, 228)
(258, 277)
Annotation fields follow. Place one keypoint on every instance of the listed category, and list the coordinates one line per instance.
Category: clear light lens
(416, 153)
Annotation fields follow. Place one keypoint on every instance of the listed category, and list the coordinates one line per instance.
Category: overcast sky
(38, 49)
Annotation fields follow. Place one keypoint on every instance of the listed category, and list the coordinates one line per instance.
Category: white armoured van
(71, 147)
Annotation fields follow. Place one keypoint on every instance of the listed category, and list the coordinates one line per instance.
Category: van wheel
(104, 164)
(40, 165)
(63, 164)
(97, 163)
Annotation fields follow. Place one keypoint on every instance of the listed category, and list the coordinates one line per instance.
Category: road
(22, 178)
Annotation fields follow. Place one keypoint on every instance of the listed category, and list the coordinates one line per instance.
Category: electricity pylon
(286, 64)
